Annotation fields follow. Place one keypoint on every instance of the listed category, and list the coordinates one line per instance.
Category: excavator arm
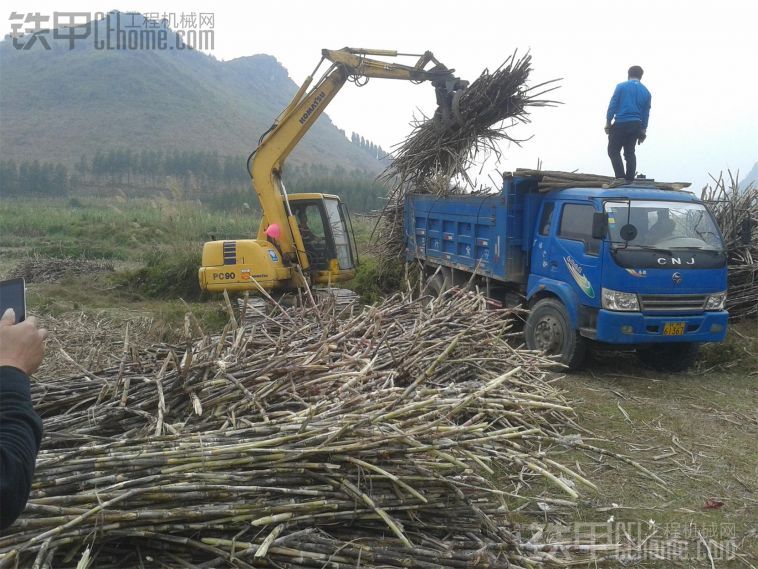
(303, 111)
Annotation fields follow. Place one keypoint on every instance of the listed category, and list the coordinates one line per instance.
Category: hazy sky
(699, 60)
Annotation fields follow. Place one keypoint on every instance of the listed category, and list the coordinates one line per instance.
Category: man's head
(635, 72)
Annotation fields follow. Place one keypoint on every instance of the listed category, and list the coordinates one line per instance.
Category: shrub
(168, 273)
(375, 280)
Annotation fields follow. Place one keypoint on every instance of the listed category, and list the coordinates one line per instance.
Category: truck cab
(634, 265)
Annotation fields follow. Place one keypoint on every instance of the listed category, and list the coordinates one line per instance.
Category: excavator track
(256, 309)
(341, 297)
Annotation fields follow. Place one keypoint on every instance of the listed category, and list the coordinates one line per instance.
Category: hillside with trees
(61, 103)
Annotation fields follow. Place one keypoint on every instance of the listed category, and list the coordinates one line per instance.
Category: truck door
(574, 255)
(540, 258)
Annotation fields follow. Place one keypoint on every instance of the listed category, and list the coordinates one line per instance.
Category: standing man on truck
(630, 107)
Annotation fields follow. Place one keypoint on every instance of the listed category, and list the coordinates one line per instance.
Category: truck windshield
(664, 225)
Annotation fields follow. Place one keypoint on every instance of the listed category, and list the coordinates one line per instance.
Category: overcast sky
(699, 60)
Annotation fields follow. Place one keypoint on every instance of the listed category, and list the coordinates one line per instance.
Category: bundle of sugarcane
(315, 441)
(434, 149)
(733, 209)
(435, 152)
(556, 180)
(39, 269)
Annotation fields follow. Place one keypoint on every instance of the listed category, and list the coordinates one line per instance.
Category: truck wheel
(669, 357)
(549, 330)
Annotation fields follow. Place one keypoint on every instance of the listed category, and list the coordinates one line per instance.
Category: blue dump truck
(633, 266)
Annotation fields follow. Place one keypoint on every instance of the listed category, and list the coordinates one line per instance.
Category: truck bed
(482, 234)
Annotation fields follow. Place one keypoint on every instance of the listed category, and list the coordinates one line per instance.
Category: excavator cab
(326, 230)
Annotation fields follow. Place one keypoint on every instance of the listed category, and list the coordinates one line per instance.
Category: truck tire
(669, 357)
(548, 329)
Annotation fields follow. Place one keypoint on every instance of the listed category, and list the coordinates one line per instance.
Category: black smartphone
(13, 295)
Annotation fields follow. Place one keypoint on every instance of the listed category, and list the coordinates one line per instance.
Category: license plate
(673, 329)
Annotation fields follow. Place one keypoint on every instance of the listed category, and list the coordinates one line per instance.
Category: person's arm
(646, 110)
(613, 106)
(21, 352)
(20, 437)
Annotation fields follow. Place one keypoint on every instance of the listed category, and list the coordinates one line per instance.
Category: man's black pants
(624, 136)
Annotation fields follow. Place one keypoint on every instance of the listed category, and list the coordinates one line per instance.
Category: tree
(8, 178)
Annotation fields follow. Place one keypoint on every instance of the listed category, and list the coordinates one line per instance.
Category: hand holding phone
(21, 342)
(13, 295)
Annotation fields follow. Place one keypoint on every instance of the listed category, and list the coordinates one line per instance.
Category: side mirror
(746, 230)
(628, 232)
(599, 224)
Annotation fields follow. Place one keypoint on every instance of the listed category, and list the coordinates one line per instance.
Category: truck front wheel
(669, 357)
(548, 329)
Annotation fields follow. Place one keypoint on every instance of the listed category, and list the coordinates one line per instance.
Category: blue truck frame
(510, 245)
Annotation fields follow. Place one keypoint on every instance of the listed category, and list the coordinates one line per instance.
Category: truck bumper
(637, 328)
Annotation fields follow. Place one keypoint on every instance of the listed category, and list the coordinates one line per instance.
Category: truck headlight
(615, 300)
(716, 301)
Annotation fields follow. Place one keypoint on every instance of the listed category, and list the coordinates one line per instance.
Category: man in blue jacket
(21, 351)
(629, 110)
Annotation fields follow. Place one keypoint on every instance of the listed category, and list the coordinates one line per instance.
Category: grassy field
(696, 431)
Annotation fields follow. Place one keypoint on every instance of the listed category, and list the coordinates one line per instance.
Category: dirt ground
(697, 431)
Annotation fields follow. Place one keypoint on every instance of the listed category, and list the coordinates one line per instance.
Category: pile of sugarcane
(40, 269)
(733, 207)
(79, 340)
(409, 434)
(435, 152)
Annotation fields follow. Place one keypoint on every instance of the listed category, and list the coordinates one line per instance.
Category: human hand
(21, 345)
(607, 128)
(642, 136)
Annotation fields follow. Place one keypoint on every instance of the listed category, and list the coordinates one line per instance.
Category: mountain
(752, 177)
(61, 103)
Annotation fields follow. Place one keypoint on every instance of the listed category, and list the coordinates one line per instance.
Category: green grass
(118, 228)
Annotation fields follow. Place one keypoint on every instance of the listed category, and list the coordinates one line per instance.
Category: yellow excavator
(304, 239)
